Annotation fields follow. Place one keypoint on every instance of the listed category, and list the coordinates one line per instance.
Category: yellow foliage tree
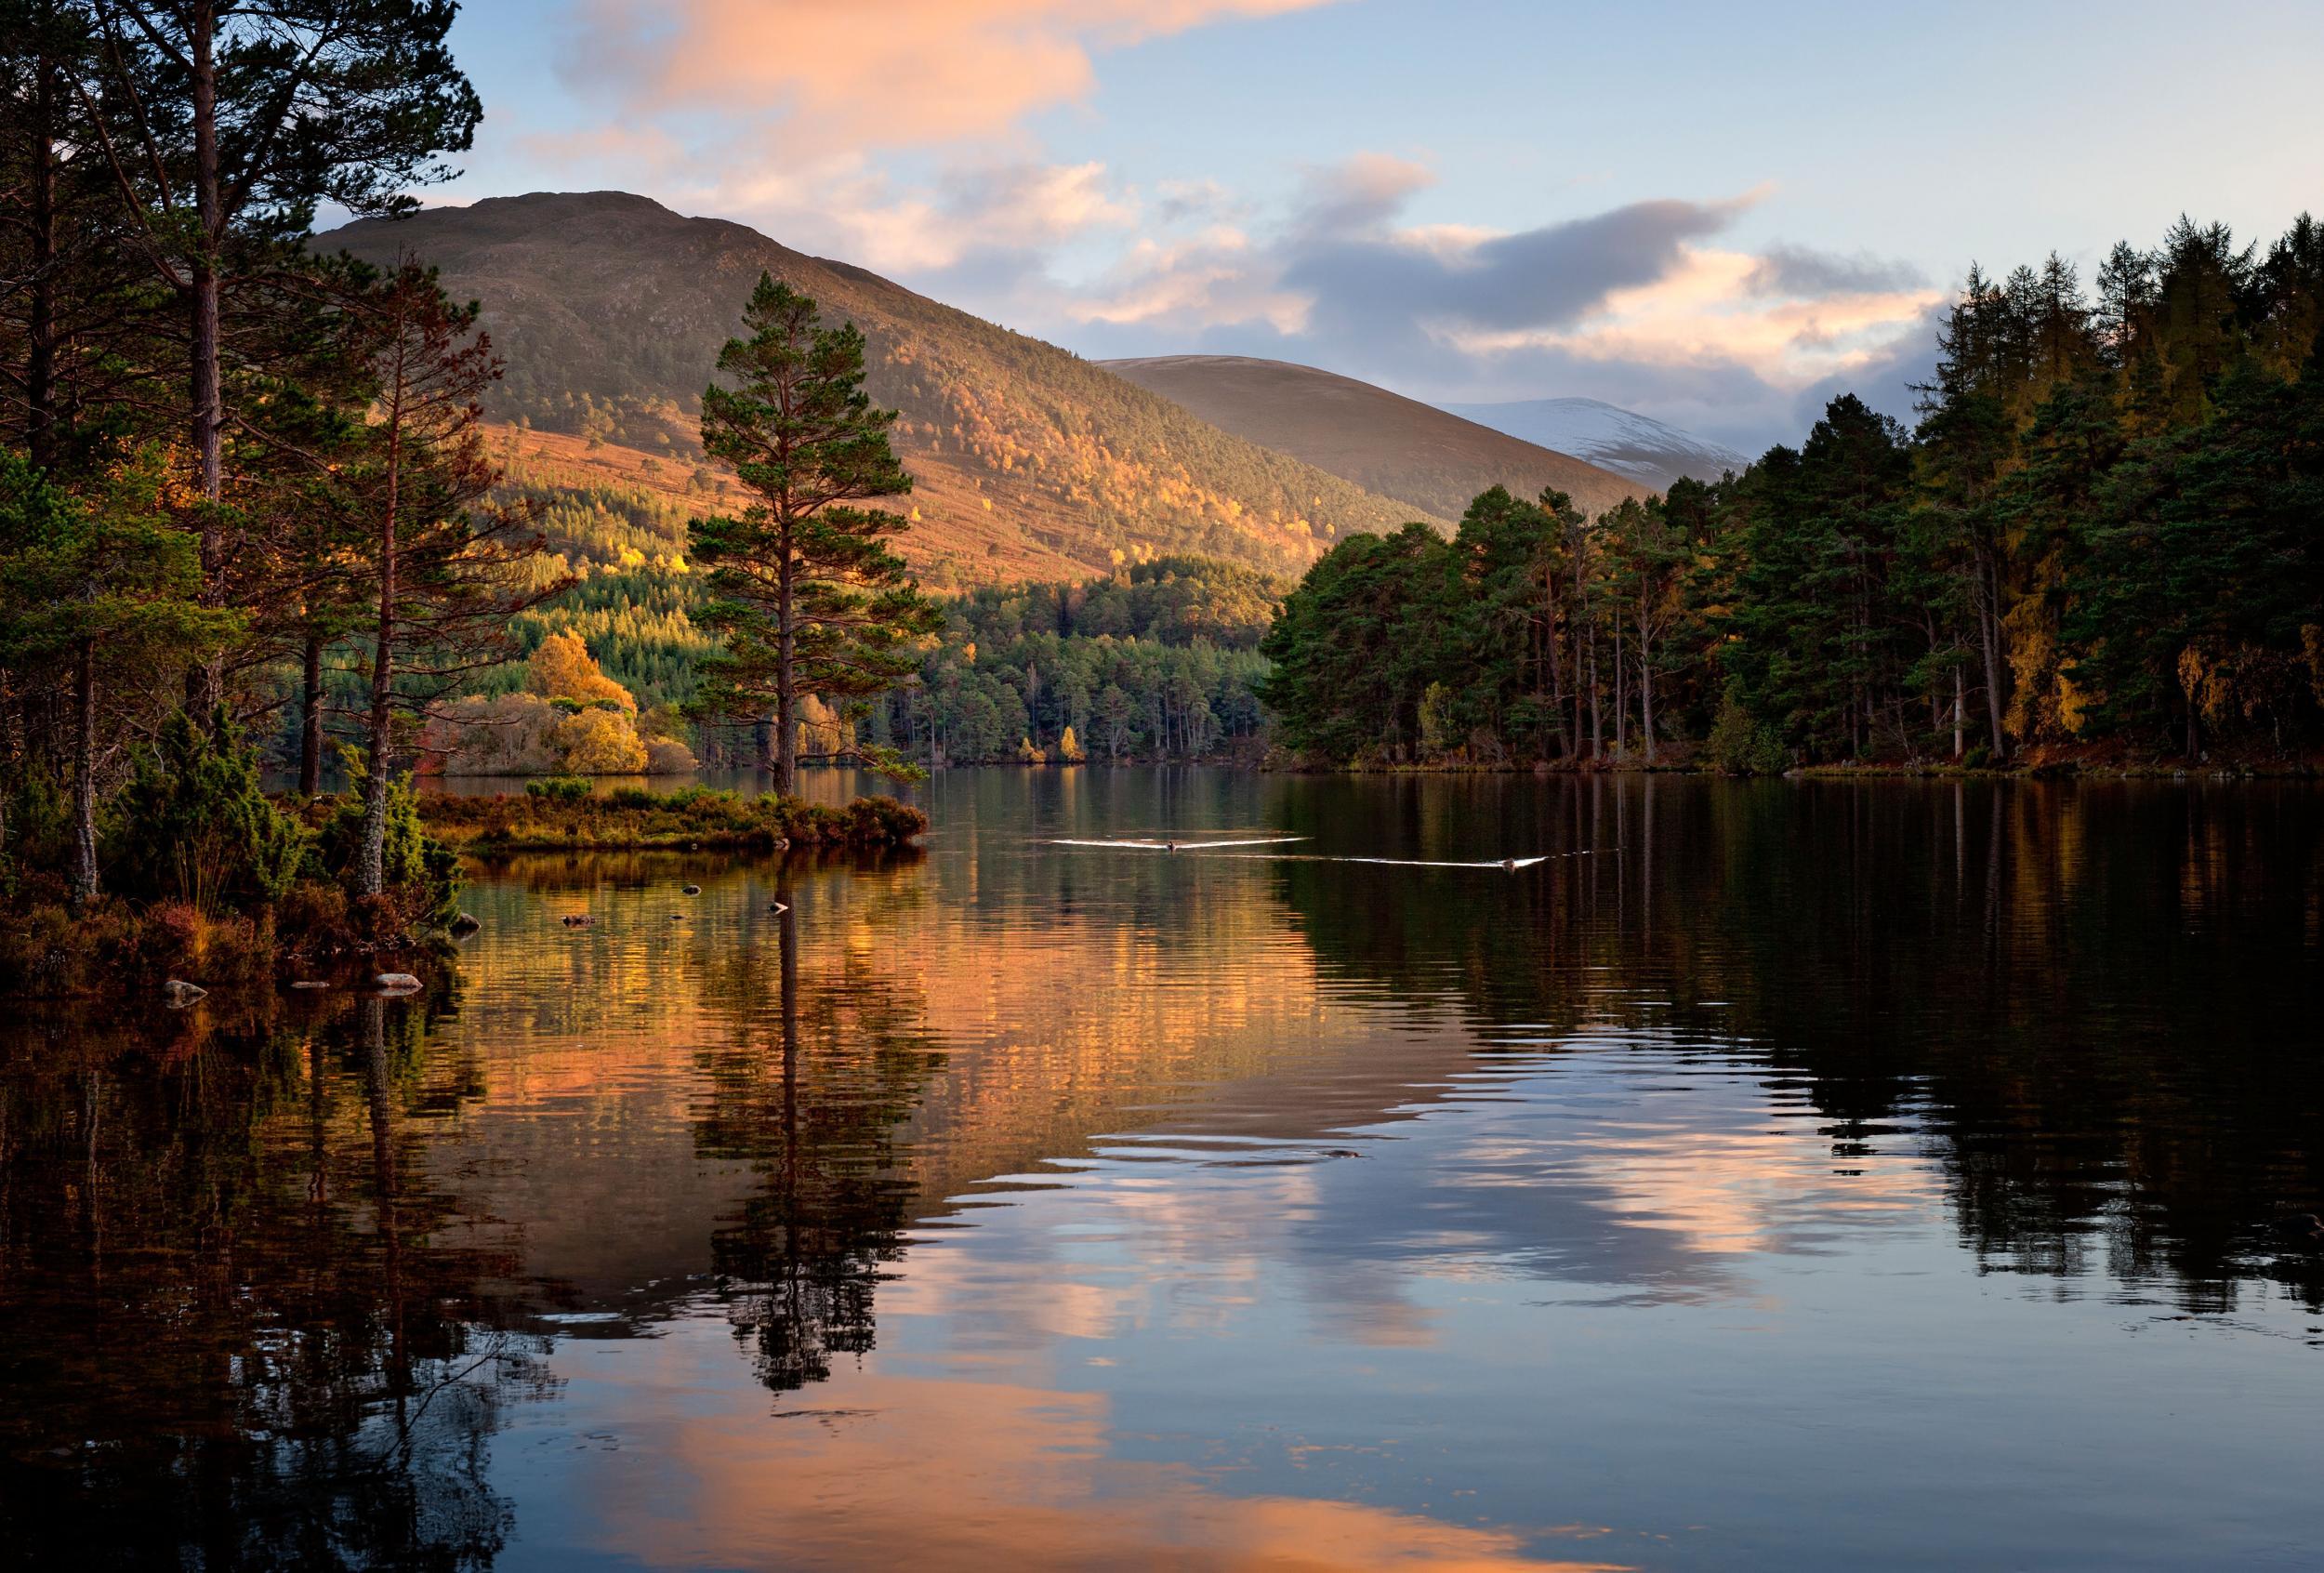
(599, 742)
(562, 668)
(1069, 747)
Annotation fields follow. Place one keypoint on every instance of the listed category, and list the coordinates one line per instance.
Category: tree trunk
(1958, 683)
(1989, 636)
(1597, 721)
(85, 774)
(40, 365)
(372, 871)
(1646, 690)
(1621, 696)
(206, 683)
(1579, 682)
(786, 683)
(1551, 639)
(310, 722)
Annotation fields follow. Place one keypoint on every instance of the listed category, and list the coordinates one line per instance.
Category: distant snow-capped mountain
(1609, 437)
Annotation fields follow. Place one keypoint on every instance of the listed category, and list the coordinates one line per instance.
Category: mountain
(1382, 442)
(1027, 460)
(1639, 446)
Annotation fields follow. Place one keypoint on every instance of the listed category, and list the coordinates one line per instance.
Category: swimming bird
(2301, 1228)
(778, 907)
(1509, 864)
(1170, 846)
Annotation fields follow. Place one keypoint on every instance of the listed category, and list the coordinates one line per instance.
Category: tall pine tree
(811, 599)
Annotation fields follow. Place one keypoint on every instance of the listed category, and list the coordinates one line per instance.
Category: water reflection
(800, 1261)
(230, 1335)
(1230, 1210)
(2094, 1005)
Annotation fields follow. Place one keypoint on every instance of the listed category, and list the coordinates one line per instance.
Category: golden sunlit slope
(610, 310)
(1383, 442)
(954, 542)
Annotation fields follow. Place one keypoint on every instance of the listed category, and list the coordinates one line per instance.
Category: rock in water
(395, 982)
(181, 992)
(465, 924)
(690, 890)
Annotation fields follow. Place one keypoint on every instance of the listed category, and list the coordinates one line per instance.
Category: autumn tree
(808, 594)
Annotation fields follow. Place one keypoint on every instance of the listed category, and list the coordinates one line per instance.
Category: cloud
(1641, 304)
(1028, 204)
(890, 73)
(1885, 377)
(1795, 270)
(892, 135)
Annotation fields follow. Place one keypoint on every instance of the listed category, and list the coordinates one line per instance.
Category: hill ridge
(610, 307)
(1428, 457)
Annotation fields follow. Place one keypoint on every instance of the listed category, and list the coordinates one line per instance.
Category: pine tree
(441, 564)
(224, 124)
(95, 588)
(810, 598)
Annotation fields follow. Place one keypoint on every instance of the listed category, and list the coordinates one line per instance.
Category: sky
(1717, 214)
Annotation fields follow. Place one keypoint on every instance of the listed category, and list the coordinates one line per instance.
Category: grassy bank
(552, 817)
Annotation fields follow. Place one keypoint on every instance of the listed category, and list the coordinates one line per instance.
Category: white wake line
(1514, 863)
(1182, 846)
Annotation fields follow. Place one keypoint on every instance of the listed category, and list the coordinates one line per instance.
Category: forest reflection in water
(965, 1154)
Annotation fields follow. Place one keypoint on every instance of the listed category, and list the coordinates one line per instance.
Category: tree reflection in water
(2095, 1004)
(817, 1112)
(232, 1341)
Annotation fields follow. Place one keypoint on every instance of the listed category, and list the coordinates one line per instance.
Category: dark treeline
(2104, 538)
(1159, 661)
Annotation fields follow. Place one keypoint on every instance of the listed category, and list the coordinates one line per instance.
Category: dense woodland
(1158, 662)
(2104, 538)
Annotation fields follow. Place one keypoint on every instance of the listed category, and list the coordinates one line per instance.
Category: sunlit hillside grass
(1029, 462)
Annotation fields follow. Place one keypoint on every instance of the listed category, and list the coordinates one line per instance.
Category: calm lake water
(1781, 1176)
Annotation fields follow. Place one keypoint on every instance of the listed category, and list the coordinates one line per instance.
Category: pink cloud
(885, 72)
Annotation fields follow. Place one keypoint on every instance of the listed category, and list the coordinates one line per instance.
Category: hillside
(1382, 442)
(955, 540)
(1623, 440)
(610, 310)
